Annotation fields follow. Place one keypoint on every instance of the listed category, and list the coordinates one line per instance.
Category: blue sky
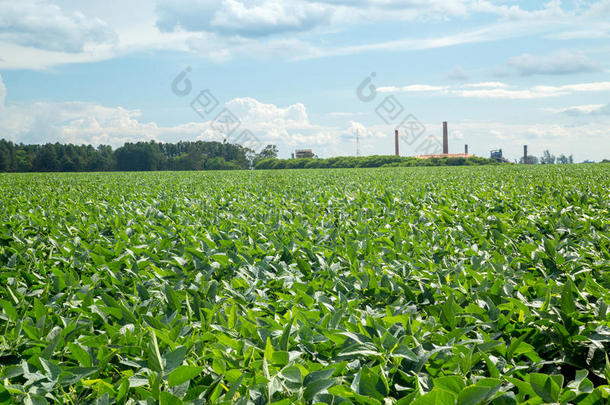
(502, 73)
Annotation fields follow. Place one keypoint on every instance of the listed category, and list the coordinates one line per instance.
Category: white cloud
(518, 134)
(268, 17)
(551, 9)
(507, 94)
(221, 49)
(490, 33)
(273, 123)
(599, 9)
(560, 63)
(344, 114)
(594, 86)
(413, 88)
(486, 85)
(291, 127)
(257, 18)
(39, 24)
(82, 123)
(456, 134)
(357, 128)
(37, 34)
(592, 30)
(74, 122)
(132, 30)
(21, 57)
(498, 90)
(581, 110)
(90, 123)
(252, 18)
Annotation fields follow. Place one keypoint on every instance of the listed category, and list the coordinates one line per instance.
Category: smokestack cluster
(396, 143)
(445, 139)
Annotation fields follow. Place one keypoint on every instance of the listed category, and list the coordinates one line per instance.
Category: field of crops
(461, 286)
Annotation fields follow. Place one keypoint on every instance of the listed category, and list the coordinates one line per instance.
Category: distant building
(497, 155)
(303, 153)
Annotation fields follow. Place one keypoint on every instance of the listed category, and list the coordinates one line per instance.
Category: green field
(463, 285)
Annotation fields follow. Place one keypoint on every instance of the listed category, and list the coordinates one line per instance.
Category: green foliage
(453, 285)
(268, 152)
(547, 158)
(368, 161)
(141, 156)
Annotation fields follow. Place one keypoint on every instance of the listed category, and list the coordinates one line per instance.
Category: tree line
(201, 155)
(140, 156)
(369, 161)
(548, 158)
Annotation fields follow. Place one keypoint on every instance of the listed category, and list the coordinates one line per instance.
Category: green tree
(46, 159)
(7, 151)
(531, 160)
(547, 158)
(268, 152)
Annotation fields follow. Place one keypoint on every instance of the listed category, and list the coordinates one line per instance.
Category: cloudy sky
(304, 73)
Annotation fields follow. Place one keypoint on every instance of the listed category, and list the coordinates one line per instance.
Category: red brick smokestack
(445, 139)
(396, 143)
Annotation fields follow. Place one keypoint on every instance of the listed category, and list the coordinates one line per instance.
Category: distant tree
(104, 159)
(197, 155)
(7, 150)
(571, 159)
(141, 156)
(547, 158)
(268, 152)
(194, 160)
(46, 159)
(218, 163)
(588, 161)
(24, 160)
(67, 165)
(368, 161)
(562, 159)
(532, 160)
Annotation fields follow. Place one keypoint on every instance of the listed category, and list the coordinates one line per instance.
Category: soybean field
(436, 285)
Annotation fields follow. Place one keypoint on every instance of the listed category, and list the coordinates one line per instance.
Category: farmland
(454, 285)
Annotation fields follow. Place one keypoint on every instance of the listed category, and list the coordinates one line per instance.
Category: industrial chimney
(396, 143)
(466, 149)
(445, 139)
(525, 159)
